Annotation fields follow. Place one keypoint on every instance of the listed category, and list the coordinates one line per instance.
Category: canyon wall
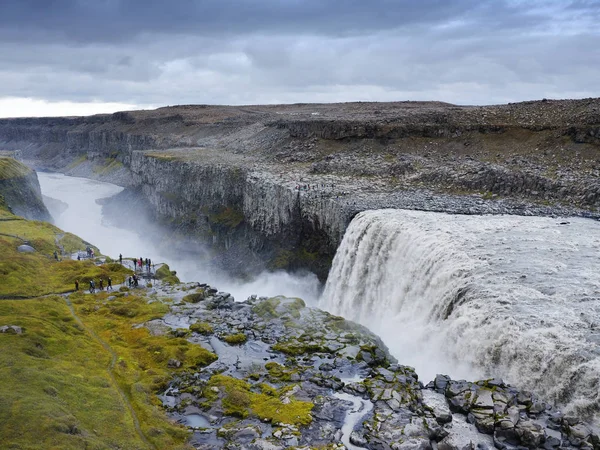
(20, 190)
(276, 186)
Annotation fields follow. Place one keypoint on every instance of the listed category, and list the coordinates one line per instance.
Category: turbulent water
(475, 296)
(73, 204)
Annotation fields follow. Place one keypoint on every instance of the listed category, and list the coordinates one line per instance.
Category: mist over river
(78, 212)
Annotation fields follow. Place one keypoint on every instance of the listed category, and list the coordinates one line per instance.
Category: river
(73, 205)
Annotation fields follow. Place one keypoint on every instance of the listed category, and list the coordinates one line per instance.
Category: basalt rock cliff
(276, 186)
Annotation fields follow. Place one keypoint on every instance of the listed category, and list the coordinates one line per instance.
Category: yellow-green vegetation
(267, 309)
(278, 306)
(296, 348)
(38, 273)
(277, 372)
(227, 217)
(195, 297)
(56, 391)
(235, 339)
(11, 168)
(144, 361)
(83, 374)
(106, 166)
(166, 275)
(77, 162)
(202, 328)
(239, 400)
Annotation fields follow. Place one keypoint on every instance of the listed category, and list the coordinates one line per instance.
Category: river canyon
(465, 237)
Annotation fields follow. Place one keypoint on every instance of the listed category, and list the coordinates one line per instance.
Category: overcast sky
(74, 57)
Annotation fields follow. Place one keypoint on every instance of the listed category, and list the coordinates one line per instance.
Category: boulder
(11, 329)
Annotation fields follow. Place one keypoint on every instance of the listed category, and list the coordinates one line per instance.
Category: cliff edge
(20, 190)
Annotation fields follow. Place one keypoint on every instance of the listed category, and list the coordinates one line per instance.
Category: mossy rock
(239, 399)
(235, 339)
(296, 348)
(195, 297)
(166, 275)
(267, 309)
(277, 372)
(201, 328)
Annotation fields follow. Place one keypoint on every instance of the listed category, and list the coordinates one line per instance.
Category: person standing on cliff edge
(120, 259)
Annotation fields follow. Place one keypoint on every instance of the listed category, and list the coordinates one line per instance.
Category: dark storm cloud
(157, 52)
(116, 20)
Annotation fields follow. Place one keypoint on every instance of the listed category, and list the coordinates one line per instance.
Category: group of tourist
(132, 281)
(141, 264)
(93, 288)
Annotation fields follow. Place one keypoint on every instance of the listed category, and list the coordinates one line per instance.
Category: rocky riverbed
(292, 376)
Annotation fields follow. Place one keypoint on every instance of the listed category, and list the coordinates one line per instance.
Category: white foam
(475, 296)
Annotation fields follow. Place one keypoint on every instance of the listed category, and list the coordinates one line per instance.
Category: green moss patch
(35, 274)
(166, 275)
(201, 328)
(277, 372)
(195, 297)
(57, 390)
(106, 166)
(235, 339)
(11, 168)
(267, 309)
(296, 348)
(227, 217)
(238, 399)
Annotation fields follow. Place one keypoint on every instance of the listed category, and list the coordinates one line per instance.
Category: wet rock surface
(292, 376)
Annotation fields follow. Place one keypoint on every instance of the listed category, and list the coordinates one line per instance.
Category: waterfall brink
(479, 296)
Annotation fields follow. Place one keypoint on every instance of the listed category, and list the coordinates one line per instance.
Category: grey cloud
(118, 20)
(298, 51)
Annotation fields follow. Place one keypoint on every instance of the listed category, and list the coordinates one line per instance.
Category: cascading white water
(474, 296)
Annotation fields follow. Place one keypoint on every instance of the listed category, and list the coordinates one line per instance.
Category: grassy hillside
(38, 273)
(79, 374)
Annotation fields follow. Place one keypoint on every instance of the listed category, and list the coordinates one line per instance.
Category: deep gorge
(250, 191)
(275, 187)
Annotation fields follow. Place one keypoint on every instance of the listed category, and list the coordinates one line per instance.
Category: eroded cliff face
(20, 190)
(245, 217)
(276, 186)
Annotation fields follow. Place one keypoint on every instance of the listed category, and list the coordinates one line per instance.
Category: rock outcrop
(20, 190)
(291, 376)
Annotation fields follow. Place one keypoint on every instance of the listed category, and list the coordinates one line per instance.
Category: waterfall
(479, 296)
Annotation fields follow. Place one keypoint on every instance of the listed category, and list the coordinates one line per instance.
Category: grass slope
(82, 374)
(38, 273)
